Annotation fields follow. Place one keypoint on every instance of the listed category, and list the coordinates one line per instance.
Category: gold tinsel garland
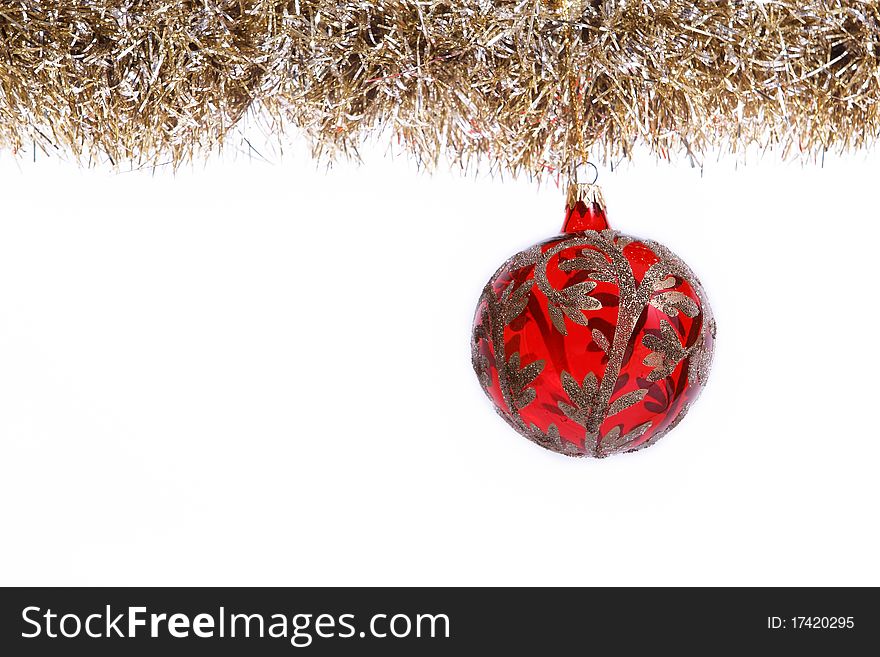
(532, 84)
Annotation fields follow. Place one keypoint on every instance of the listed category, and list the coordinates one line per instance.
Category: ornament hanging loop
(583, 190)
(581, 170)
(584, 205)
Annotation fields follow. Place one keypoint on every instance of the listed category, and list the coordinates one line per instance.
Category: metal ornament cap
(584, 208)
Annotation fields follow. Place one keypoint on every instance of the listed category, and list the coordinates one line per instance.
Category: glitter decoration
(593, 342)
(523, 85)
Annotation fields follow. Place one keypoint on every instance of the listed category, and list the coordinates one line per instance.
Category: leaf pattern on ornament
(666, 352)
(575, 300)
(670, 302)
(557, 318)
(615, 443)
(483, 369)
(625, 401)
(578, 296)
(592, 261)
(664, 284)
(575, 315)
(480, 329)
(552, 440)
(602, 341)
(582, 397)
(513, 302)
(525, 258)
(520, 378)
(479, 360)
(701, 356)
(619, 240)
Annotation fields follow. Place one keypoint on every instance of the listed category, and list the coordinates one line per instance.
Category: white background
(259, 373)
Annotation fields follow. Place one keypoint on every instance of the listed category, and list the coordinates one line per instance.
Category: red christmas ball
(593, 342)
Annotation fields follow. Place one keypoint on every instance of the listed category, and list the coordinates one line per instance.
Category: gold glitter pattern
(661, 315)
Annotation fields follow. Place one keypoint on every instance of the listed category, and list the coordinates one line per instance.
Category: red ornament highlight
(593, 342)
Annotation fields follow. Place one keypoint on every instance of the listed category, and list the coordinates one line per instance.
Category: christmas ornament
(593, 342)
(530, 84)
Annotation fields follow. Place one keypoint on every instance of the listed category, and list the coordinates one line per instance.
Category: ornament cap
(584, 209)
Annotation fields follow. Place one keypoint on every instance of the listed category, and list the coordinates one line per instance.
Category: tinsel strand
(529, 85)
